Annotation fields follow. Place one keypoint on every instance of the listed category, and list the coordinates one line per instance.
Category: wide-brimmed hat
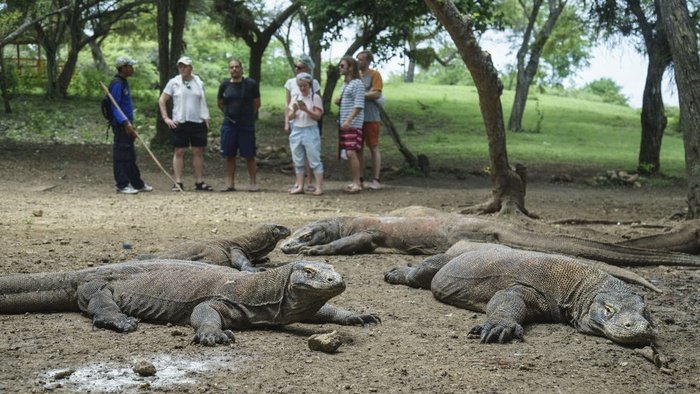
(124, 61)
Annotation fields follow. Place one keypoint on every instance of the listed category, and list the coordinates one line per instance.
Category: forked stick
(114, 102)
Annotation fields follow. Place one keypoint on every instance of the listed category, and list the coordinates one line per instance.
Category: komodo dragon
(212, 299)
(626, 275)
(516, 287)
(240, 252)
(432, 235)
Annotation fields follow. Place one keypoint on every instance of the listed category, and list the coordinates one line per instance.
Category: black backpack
(106, 104)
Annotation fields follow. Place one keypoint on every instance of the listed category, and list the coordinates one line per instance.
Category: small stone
(327, 343)
(144, 368)
(63, 373)
(37, 213)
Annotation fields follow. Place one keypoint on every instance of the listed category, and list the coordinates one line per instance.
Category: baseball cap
(124, 61)
(185, 60)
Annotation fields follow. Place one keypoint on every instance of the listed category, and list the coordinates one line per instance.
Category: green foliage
(607, 89)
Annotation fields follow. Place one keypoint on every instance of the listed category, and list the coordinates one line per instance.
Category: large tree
(81, 22)
(534, 39)
(171, 16)
(508, 194)
(255, 24)
(640, 18)
(682, 38)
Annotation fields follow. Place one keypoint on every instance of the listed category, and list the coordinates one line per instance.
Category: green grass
(448, 128)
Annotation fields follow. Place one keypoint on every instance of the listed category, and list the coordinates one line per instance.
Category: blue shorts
(235, 139)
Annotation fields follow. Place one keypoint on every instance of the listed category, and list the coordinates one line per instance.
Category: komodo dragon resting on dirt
(464, 246)
(516, 287)
(210, 298)
(240, 252)
(431, 235)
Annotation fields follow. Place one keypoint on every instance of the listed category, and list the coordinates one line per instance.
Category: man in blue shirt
(126, 173)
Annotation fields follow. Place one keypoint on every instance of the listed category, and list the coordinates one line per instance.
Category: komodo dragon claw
(362, 319)
(212, 337)
(497, 332)
(121, 323)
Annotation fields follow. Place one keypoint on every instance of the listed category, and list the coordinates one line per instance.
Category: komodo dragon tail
(610, 253)
(40, 292)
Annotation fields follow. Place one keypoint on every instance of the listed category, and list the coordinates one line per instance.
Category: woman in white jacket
(189, 122)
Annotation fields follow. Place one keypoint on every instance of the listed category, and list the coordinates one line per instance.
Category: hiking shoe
(146, 188)
(127, 190)
(375, 185)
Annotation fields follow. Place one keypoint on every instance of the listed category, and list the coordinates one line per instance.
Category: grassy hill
(567, 133)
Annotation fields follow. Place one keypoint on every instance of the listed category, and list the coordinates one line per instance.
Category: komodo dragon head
(619, 315)
(317, 233)
(319, 279)
(263, 239)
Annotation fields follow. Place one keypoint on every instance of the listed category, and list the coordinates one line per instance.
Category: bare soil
(59, 211)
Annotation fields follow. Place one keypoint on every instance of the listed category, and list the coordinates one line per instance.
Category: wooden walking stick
(114, 102)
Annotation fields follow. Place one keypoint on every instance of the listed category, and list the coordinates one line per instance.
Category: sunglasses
(298, 67)
(341, 66)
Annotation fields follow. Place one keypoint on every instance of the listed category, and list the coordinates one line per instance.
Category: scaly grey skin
(431, 235)
(212, 299)
(618, 272)
(684, 238)
(516, 287)
(242, 252)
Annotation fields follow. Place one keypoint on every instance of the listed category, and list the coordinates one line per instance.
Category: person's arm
(162, 100)
(287, 99)
(375, 90)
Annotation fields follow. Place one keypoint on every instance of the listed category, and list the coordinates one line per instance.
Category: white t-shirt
(302, 118)
(189, 100)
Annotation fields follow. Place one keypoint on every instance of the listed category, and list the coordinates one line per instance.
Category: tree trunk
(170, 46)
(4, 89)
(527, 72)
(255, 60)
(653, 116)
(411, 69)
(98, 58)
(684, 47)
(508, 194)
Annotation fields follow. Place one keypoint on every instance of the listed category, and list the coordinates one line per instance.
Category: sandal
(296, 190)
(203, 186)
(353, 189)
(228, 189)
(175, 189)
(310, 188)
(317, 192)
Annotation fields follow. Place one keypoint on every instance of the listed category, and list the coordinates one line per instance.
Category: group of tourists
(238, 98)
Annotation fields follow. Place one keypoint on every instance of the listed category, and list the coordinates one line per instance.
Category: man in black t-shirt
(239, 99)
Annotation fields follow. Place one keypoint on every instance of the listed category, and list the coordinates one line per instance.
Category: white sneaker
(146, 188)
(127, 190)
(375, 185)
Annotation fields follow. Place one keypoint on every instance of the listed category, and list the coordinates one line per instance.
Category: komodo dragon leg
(420, 275)
(96, 300)
(240, 261)
(207, 323)
(331, 314)
(507, 311)
(360, 242)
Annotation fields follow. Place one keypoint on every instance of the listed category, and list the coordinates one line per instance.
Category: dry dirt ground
(59, 211)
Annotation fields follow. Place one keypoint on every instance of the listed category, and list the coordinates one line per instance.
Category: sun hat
(185, 60)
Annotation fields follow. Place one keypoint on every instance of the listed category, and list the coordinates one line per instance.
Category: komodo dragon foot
(210, 336)
(397, 275)
(121, 323)
(501, 332)
(361, 319)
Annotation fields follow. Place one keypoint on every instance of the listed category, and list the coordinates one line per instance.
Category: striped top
(352, 96)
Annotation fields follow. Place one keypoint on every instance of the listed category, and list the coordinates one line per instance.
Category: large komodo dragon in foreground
(212, 299)
(516, 287)
(432, 235)
(241, 252)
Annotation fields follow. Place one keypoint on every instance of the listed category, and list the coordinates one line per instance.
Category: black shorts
(189, 134)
